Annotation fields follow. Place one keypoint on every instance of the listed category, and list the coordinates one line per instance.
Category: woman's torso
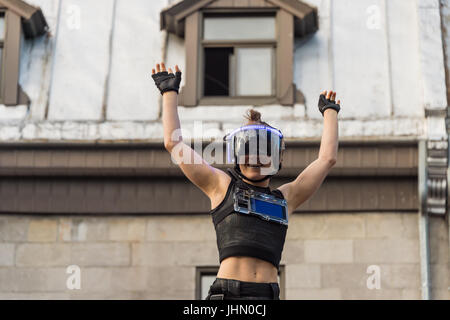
(239, 267)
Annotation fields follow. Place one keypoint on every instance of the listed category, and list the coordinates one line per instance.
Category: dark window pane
(216, 80)
(2, 26)
(1, 63)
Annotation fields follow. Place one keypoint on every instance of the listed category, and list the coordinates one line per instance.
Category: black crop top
(243, 235)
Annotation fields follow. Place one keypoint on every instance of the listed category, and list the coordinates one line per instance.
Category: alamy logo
(74, 280)
(73, 17)
(374, 17)
(374, 280)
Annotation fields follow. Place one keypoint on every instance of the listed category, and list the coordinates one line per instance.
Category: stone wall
(326, 256)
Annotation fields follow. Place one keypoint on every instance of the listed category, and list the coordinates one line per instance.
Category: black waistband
(236, 288)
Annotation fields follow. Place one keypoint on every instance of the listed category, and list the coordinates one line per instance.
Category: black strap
(242, 184)
(242, 176)
(232, 174)
(230, 289)
(278, 193)
(222, 212)
(238, 178)
(276, 291)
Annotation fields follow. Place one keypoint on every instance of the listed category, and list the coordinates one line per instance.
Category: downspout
(424, 245)
(444, 9)
(433, 150)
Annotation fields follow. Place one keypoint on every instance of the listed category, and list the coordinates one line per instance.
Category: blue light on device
(262, 205)
(268, 208)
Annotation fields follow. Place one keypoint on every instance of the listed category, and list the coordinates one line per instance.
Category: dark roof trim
(386, 158)
(122, 179)
(33, 20)
(172, 18)
(108, 196)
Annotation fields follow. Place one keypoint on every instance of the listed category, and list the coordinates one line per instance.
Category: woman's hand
(166, 81)
(327, 100)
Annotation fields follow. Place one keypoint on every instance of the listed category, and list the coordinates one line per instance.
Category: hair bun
(253, 115)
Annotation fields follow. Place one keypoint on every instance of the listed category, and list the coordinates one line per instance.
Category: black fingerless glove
(167, 81)
(325, 103)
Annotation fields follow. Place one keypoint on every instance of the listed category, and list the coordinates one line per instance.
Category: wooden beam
(294, 7)
(194, 8)
(285, 57)
(19, 7)
(192, 41)
(10, 72)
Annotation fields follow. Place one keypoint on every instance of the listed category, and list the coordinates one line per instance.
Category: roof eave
(33, 20)
(172, 18)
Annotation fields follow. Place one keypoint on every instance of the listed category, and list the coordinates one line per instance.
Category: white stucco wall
(90, 79)
(446, 23)
(137, 44)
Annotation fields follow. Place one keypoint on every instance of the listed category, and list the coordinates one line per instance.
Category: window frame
(21, 19)
(191, 94)
(213, 270)
(233, 99)
(260, 43)
(9, 74)
(2, 47)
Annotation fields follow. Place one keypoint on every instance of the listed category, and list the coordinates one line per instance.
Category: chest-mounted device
(263, 205)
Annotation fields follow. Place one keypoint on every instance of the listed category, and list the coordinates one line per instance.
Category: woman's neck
(263, 184)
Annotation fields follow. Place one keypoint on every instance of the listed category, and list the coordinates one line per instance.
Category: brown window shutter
(192, 41)
(285, 56)
(10, 72)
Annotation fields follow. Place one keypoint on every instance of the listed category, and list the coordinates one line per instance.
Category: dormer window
(239, 54)
(2, 41)
(17, 18)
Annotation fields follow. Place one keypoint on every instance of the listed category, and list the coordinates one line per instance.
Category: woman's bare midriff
(248, 269)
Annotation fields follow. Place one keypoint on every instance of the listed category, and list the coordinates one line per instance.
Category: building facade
(87, 188)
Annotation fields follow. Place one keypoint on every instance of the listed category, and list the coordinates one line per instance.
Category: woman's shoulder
(223, 185)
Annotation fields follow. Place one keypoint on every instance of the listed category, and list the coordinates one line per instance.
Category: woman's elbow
(169, 145)
(330, 161)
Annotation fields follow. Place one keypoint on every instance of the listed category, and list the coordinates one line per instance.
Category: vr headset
(257, 145)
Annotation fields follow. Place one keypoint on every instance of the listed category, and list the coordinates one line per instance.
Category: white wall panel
(81, 60)
(360, 58)
(312, 63)
(137, 47)
(431, 55)
(36, 61)
(406, 83)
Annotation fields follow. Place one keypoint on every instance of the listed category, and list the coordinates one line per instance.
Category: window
(16, 18)
(205, 277)
(239, 56)
(2, 40)
(239, 53)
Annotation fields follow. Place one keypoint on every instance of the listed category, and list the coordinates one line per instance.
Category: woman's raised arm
(310, 179)
(209, 179)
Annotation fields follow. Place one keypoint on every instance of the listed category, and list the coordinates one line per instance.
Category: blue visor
(255, 145)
